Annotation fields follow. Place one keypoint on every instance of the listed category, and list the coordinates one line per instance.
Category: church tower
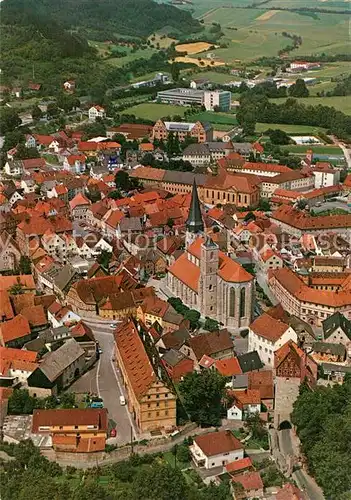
(194, 223)
(208, 278)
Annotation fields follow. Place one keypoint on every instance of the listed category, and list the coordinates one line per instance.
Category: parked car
(122, 400)
(113, 433)
(113, 325)
(96, 402)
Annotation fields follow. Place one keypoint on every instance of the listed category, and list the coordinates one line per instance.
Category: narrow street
(303, 480)
(104, 380)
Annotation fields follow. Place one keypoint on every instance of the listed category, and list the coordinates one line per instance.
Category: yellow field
(193, 48)
(268, 15)
(204, 62)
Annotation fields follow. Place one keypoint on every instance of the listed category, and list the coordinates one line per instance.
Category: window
(232, 302)
(149, 414)
(242, 302)
(157, 414)
(157, 404)
(166, 395)
(166, 412)
(76, 426)
(157, 396)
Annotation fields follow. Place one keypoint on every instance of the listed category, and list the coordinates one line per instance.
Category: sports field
(342, 103)
(213, 76)
(322, 150)
(154, 111)
(289, 129)
(215, 118)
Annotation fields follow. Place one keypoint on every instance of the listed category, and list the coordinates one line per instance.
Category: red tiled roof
(35, 315)
(296, 287)
(267, 167)
(137, 365)
(70, 417)
(44, 140)
(33, 163)
(6, 311)
(187, 272)
(228, 367)
(238, 465)
(247, 397)
(210, 343)
(115, 218)
(216, 443)
(263, 382)
(269, 328)
(303, 221)
(146, 146)
(149, 173)
(16, 328)
(79, 200)
(73, 158)
(249, 480)
(61, 189)
(26, 280)
(12, 354)
(290, 492)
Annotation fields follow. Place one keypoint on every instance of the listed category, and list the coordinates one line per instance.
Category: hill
(104, 19)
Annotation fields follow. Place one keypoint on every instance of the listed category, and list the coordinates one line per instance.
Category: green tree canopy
(202, 395)
(299, 89)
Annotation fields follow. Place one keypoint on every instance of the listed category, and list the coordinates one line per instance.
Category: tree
(299, 89)
(124, 182)
(20, 402)
(278, 136)
(52, 110)
(159, 482)
(23, 152)
(323, 422)
(104, 258)
(36, 113)
(175, 71)
(115, 195)
(193, 316)
(9, 120)
(202, 395)
(25, 265)
(211, 325)
(12, 139)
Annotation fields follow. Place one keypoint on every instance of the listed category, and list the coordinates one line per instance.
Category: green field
(215, 118)
(323, 150)
(154, 111)
(213, 76)
(251, 33)
(342, 103)
(289, 129)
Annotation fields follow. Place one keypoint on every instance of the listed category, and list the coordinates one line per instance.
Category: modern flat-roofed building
(211, 99)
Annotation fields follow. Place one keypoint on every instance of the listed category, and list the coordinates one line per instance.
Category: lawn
(289, 129)
(154, 111)
(215, 118)
(323, 150)
(213, 76)
(342, 103)
(169, 458)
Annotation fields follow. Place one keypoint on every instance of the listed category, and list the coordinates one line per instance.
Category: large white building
(211, 99)
(325, 175)
(267, 335)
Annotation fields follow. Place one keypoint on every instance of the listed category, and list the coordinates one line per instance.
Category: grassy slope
(289, 129)
(342, 103)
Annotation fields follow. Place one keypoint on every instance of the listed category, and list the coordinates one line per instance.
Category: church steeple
(195, 223)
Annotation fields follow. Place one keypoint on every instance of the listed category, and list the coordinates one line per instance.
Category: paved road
(262, 281)
(285, 442)
(303, 480)
(330, 205)
(105, 381)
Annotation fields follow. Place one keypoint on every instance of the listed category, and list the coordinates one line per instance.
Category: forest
(29, 475)
(323, 422)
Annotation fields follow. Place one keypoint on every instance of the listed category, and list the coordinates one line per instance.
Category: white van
(122, 400)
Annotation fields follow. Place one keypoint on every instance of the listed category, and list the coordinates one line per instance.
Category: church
(208, 280)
